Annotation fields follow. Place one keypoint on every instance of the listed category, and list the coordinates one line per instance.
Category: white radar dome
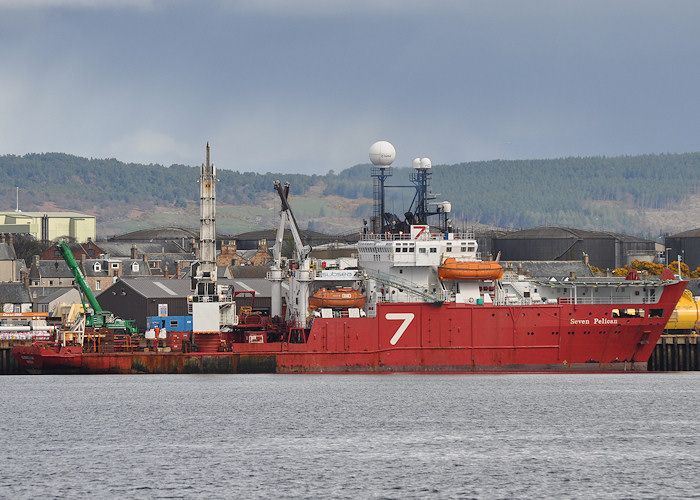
(382, 154)
(421, 163)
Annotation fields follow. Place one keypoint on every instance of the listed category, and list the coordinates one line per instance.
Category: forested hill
(614, 194)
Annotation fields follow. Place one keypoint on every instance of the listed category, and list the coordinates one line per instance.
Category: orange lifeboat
(340, 297)
(453, 269)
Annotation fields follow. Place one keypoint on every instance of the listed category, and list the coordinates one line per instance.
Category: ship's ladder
(407, 286)
(521, 297)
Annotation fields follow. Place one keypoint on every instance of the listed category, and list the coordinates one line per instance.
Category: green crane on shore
(95, 316)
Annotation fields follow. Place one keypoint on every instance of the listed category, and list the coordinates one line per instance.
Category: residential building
(15, 298)
(89, 249)
(54, 298)
(49, 273)
(9, 269)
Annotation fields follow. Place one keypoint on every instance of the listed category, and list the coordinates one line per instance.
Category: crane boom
(79, 276)
(99, 318)
(303, 251)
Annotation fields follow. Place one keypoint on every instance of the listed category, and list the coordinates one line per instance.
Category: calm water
(350, 436)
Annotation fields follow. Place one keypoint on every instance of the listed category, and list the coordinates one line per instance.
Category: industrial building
(604, 250)
(139, 298)
(48, 226)
(685, 244)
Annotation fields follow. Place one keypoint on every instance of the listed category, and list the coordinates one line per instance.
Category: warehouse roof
(162, 233)
(553, 232)
(691, 233)
(550, 269)
(170, 288)
(123, 248)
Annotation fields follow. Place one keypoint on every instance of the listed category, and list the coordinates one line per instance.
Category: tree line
(597, 193)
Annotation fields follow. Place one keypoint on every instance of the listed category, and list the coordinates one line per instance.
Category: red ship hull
(416, 337)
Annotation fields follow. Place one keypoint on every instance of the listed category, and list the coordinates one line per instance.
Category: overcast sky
(308, 85)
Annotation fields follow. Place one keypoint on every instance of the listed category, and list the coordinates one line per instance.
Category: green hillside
(614, 194)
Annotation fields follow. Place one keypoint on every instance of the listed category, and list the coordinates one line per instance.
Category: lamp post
(666, 258)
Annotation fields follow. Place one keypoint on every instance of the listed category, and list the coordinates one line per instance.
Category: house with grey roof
(9, 269)
(50, 273)
(15, 298)
(243, 272)
(54, 297)
(101, 273)
(164, 258)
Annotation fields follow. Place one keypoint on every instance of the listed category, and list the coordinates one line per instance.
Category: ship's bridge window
(411, 249)
(421, 250)
(472, 249)
(449, 248)
(433, 250)
(464, 249)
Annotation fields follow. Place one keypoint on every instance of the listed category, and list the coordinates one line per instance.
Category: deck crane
(301, 250)
(300, 278)
(95, 316)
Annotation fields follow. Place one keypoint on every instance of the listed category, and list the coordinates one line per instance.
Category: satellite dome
(382, 154)
(421, 163)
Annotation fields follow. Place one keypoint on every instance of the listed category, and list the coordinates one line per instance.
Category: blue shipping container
(170, 323)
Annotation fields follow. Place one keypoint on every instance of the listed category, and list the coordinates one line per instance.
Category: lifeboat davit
(339, 297)
(453, 269)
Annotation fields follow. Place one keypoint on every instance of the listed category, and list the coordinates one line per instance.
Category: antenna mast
(382, 154)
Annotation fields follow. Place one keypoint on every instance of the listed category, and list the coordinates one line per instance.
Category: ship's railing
(595, 282)
(605, 300)
(435, 298)
(466, 235)
(385, 236)
(511, 300)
